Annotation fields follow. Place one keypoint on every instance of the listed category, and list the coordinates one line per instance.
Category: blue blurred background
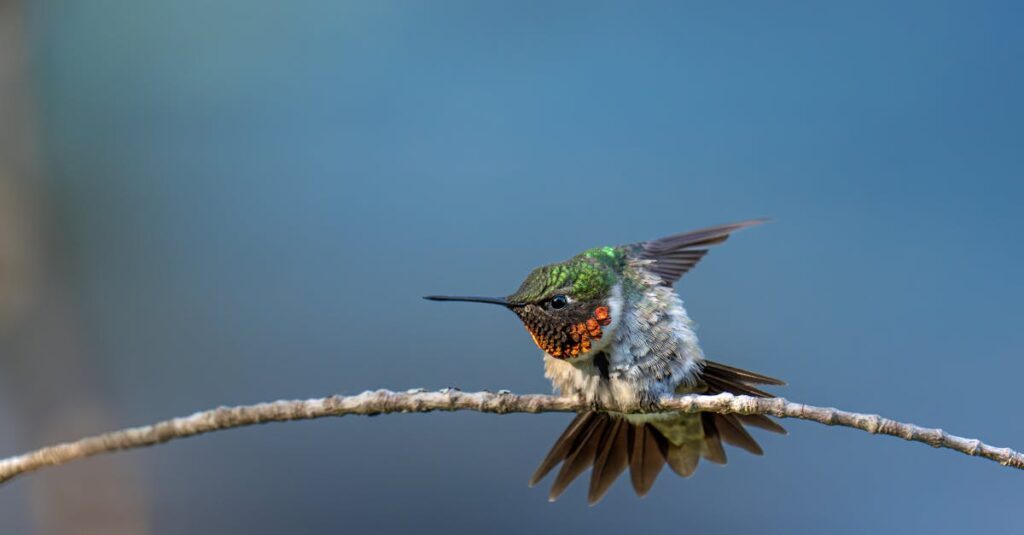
(220, 203)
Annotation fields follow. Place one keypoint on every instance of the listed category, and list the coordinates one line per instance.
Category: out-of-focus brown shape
(17, 158)
(46, 379)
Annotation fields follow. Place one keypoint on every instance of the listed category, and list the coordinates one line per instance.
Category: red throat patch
(580, 336)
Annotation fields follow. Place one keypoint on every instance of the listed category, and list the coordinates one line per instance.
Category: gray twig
(503, 402)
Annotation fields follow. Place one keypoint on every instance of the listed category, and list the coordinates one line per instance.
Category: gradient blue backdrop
(255, 196)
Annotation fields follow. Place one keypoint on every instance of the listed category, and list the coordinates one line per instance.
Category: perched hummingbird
(614, 330)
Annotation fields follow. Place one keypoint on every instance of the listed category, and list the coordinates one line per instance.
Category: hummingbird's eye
(559, 301)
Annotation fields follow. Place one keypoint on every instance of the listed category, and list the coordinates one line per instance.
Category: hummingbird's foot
(648, 402)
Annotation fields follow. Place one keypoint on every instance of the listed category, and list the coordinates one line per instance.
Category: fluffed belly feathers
(653, 351)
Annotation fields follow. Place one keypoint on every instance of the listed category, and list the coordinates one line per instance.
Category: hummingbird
(614, 331)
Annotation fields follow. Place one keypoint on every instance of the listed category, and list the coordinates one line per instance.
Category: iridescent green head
(565, 306)
(584, 277)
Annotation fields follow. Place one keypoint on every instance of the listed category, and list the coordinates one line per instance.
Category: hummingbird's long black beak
(468, 299)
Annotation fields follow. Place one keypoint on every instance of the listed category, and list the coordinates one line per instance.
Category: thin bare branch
(386, 402)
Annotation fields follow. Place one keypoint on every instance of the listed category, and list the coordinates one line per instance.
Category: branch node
(874, 424)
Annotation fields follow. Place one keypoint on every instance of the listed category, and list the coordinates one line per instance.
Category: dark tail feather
(610, 443)
(646, 457)
(563, 445)
(612, 459)
(733, 433)
(713, 450)
(683, 460)
(761, 421)
(581, 457)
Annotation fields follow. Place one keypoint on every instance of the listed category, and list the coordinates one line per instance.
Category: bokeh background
(218, 203)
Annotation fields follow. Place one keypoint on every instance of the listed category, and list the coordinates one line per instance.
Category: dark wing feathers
(717, 385)
(673, 256)
(718, 369)
(721, 378)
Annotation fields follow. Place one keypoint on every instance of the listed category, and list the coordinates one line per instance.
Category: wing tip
(729, 228)
(760, 220)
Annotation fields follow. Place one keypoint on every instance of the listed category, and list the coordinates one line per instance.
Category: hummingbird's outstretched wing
(671, 257)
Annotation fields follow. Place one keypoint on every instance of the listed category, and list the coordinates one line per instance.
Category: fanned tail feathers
(610, 444)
